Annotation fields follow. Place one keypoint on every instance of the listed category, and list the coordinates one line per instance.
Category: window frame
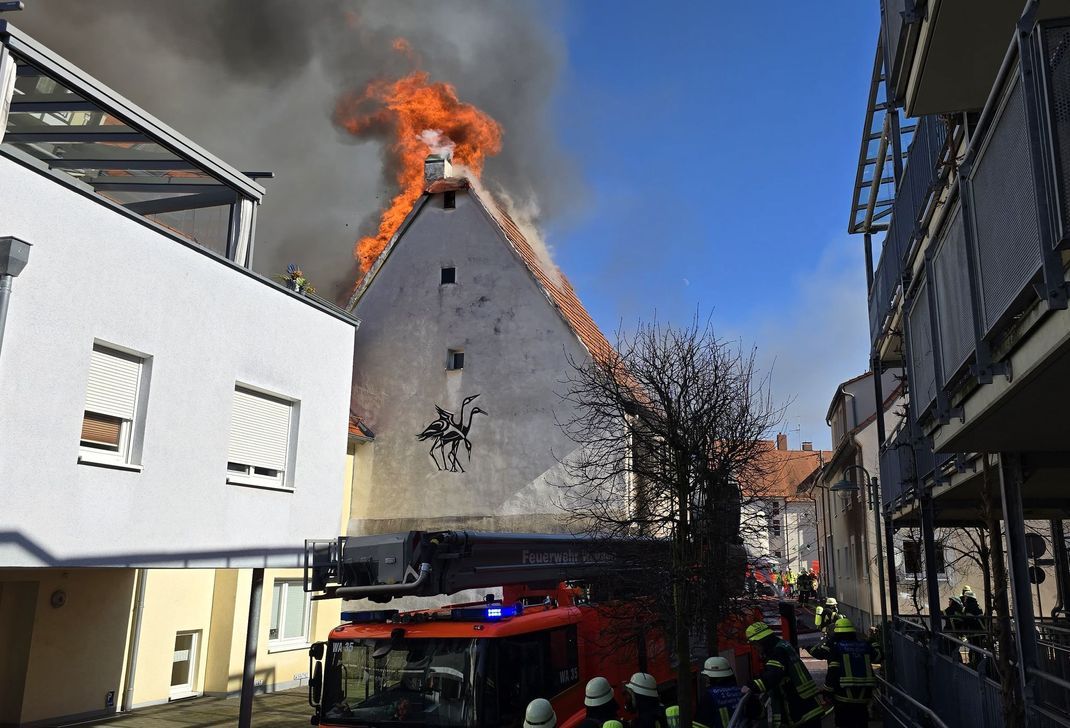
(302, 641)
(125, 456)
(452, 275)
(451, 360)
(284, 477)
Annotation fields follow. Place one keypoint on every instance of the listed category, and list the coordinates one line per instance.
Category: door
(184, 665)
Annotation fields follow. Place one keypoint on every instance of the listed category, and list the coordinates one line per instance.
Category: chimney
(438, 166)
(808, 446)
(781, 441)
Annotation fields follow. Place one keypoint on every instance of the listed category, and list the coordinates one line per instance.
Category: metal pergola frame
(92, 95)
(79, 129)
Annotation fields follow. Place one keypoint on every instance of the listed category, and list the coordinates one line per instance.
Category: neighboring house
(780, 525)
(173, 425)
(846, 525)
(467, 341)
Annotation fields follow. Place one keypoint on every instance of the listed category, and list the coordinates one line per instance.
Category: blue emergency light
(491, 613)
(365, 617)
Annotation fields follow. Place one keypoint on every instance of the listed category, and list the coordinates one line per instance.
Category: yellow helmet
(967, 591)
(758, 631)
(843, 626)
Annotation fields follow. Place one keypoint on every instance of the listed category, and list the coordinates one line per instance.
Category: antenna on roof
(7, 7)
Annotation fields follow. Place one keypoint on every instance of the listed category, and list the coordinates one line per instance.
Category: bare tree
(669, 428)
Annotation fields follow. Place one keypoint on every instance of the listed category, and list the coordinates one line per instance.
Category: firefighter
(540, 714)
(718, 695)
(601, 705)
(953, 615)
(826, 615)
(787, 681)
(806, 582)
(850, 673)
(642, 698)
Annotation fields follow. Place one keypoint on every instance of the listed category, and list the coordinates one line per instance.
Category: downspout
(135, 640)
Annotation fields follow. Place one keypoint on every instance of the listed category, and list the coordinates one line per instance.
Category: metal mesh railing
(922, 361)
(892, 476)
(1056, 58)
(954, 310)
(911, 199)
(1003, 200)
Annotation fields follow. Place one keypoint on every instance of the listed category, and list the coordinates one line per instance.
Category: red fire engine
(476, 664)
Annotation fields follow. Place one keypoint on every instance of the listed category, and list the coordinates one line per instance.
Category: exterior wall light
(14, 254)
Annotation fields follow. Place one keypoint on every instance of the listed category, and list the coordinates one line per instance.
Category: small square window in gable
(449, 275)
(455, 360)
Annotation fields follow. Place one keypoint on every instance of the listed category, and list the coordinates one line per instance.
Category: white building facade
(169, 417)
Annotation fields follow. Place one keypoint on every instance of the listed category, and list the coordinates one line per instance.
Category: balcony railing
(912, 199)
(997, 250)
(907, 461)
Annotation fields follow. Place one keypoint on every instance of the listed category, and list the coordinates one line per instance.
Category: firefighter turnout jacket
(716, 706)
(792, 691)
(850, 667)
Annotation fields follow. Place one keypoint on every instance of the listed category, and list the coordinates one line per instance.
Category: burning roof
(557, 288)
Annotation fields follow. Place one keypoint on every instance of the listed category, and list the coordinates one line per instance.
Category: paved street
(287, 708)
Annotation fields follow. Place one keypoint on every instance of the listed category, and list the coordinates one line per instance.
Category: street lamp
(14, 254)
(845, 487)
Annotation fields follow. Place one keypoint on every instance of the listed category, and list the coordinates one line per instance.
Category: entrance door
(184, 665)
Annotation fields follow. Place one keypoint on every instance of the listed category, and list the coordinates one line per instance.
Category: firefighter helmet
(643, 683)
(844, 626)
(540, 714)
(717, 667)
(598, 692)
(758, 632)
(967, 591)
(831, 602)
(612, 724)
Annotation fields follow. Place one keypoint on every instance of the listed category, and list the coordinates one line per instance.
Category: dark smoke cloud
(255, 82)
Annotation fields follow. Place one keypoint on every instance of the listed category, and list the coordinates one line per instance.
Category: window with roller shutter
(111, 400)
(260, 439)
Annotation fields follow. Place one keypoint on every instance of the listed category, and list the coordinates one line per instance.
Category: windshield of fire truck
(388, 682)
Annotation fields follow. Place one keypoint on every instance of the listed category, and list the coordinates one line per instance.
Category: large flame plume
(417, 116)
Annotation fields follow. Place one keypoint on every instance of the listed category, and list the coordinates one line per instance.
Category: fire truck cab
(476, 664)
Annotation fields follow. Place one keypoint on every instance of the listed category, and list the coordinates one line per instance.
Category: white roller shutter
(113, 383)
(259, 430)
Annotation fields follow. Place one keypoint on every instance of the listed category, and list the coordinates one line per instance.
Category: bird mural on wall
(449, 432)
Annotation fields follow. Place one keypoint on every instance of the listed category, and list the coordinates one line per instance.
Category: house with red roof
(468, 330)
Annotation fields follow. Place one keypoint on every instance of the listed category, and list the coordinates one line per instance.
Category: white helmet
(540, 714)
(643, 683)
(598, 692)
(830, 602)
(717, 667)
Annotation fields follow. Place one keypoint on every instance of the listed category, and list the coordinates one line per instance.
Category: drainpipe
(14, 254)
(135, 640)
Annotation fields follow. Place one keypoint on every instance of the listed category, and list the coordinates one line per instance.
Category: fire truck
(481, 663)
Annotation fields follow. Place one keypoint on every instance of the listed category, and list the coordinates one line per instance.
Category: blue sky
(718, 144)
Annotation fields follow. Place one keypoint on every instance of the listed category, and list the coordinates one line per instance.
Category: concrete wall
(515, 345)
(95, 274)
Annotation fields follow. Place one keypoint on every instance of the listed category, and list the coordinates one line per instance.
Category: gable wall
(515, 346)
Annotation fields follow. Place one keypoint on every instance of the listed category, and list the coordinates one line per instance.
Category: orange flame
(419, 117)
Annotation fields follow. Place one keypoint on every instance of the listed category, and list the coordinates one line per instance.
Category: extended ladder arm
(432, 563)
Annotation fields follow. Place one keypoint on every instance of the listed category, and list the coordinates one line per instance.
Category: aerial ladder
(480, 663)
